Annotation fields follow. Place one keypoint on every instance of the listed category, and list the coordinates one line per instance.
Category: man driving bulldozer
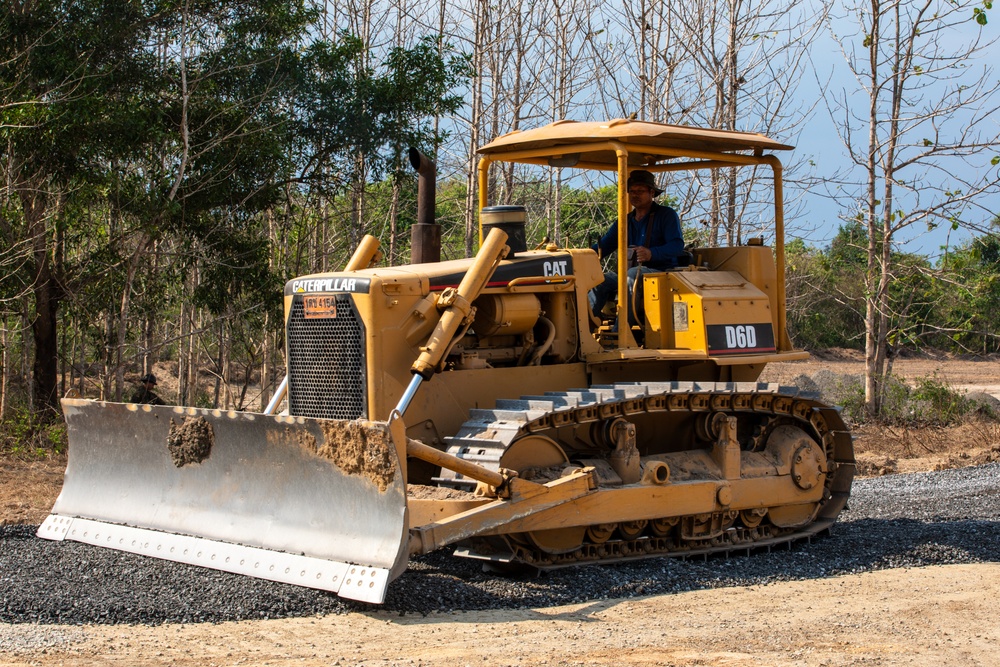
(655, 242)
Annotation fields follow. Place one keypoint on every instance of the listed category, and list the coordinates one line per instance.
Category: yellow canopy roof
(647, 142)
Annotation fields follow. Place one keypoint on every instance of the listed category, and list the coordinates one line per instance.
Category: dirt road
(958, 373)
(926, 617)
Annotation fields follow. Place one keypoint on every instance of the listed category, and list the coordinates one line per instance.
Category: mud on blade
(313, 502)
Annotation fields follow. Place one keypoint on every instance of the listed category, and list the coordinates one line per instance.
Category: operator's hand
(643, 254)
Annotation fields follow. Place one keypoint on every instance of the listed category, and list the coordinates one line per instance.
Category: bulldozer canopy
(645, 141)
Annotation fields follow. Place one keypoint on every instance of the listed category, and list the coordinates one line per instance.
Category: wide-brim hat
(643, 177)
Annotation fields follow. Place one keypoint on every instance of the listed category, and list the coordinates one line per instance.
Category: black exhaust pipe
(425, 235)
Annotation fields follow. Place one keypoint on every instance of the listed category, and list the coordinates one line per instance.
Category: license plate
(320, 305)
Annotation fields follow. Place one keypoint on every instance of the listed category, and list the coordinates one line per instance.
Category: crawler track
(564, 416)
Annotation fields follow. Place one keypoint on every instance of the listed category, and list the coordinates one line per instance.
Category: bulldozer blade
(313, 502)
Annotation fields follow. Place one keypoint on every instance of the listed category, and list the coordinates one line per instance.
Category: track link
(487, 434)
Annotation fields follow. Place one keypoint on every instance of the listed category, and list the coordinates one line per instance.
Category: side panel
(351, 351)
(712, 312)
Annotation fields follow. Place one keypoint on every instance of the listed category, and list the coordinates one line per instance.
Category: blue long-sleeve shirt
(665, 242)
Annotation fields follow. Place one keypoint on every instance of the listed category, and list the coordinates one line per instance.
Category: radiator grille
(326, 363)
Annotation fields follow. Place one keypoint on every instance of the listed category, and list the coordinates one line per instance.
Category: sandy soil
(979, 374)
(924, 617)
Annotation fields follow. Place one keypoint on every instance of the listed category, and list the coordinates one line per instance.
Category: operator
(655, 241)
(144, 392)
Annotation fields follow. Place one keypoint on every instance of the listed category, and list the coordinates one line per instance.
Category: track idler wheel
(533, 455)
(538, 458)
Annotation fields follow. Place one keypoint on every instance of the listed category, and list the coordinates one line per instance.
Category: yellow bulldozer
(480, 404)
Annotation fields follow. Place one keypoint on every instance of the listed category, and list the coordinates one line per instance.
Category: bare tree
(922, 143)
(740, 65)
(480, 15)
(567, 29)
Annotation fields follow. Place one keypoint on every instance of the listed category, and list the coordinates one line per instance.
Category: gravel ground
(896, 521)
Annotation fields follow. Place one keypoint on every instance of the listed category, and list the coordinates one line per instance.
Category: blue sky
(819, 142)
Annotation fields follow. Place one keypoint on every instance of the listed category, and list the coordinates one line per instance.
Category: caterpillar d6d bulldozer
(479, 404)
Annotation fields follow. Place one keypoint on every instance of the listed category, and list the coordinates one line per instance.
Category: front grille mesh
(326, 363)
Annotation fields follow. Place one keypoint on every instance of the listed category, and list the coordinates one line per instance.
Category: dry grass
(29, 488)
(884, 449)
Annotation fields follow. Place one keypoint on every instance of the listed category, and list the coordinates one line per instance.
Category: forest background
(169, 164)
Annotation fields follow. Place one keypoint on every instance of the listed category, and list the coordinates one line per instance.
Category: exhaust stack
(425, 236)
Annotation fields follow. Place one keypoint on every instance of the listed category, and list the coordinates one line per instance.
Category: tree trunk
(123, 313)
(266, 390)
(194, 358)
(82, 363)
(4, 367)
(394, 220)
(44, 330)
(218, 369)
(44, 324)
(873, 370)
(478, 60)
(181, 358)
(715, 214)
(63, 356)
